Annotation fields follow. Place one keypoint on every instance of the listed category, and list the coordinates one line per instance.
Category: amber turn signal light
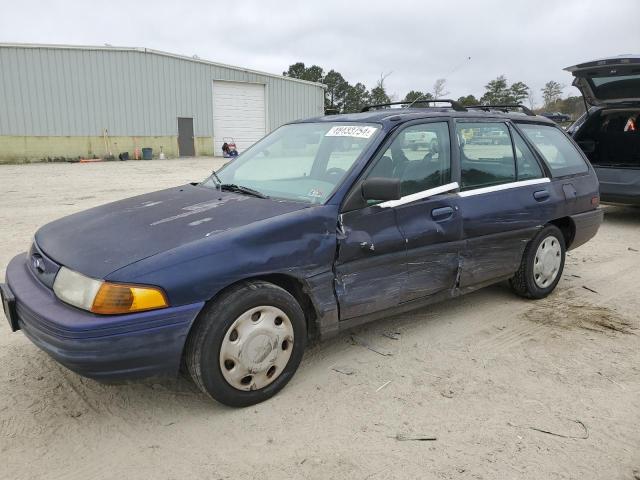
(115, 298)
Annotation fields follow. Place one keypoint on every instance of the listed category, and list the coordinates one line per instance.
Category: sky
(413, 42)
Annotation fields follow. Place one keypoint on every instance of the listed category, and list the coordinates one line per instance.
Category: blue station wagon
(322, 225)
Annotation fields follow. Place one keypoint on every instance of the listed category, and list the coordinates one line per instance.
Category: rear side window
(528, 167)
(559, 153)
(486, 155)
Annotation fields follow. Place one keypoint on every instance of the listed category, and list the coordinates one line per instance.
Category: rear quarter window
(556, 149)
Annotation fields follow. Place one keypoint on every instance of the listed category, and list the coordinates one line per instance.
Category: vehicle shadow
(622, 214)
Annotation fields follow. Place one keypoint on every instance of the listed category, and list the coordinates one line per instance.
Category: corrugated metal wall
(51, 91)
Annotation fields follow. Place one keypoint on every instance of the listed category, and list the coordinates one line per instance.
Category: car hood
(101, 240)
(609, 81)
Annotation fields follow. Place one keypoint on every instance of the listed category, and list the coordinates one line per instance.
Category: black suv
(609, 133)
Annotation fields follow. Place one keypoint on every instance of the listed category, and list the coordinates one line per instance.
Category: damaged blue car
(322, 225)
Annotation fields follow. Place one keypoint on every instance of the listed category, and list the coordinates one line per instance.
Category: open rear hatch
(609, 81)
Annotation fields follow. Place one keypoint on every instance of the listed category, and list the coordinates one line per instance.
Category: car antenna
(419, 98)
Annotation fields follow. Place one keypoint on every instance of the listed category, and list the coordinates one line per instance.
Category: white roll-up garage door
(239, 113)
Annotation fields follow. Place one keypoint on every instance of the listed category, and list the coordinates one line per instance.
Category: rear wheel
(247, 344)
(542, 264)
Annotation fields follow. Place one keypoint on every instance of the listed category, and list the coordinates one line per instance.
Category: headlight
(102, 297)
(75, 288)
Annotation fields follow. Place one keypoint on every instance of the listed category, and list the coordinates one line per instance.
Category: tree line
(343, 97)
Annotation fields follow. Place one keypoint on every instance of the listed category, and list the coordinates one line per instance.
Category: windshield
(302, 162)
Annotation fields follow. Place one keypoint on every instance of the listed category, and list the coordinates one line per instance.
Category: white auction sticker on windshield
(351, 131)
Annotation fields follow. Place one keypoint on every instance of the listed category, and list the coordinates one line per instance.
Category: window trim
(413, 197)
(503, 186)
(467, 193)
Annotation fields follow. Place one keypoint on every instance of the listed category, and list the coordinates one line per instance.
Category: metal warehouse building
(70, 101)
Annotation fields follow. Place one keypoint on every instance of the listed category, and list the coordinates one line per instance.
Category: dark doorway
(185, 137)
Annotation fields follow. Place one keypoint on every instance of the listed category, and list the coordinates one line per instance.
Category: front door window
(420, 156)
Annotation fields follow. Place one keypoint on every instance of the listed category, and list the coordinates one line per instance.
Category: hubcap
(256, 348)
(547, 262)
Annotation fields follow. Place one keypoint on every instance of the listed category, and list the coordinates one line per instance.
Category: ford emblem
(38, 264)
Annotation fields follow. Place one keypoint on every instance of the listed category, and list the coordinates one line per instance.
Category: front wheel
(542, 264)
(247, 344)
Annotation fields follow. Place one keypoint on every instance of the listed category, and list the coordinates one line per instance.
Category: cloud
(418, 41)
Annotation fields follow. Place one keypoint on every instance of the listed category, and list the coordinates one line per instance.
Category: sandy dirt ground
(508, 388)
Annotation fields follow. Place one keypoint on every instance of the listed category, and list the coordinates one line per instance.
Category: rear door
(504, 198)
(609, 81)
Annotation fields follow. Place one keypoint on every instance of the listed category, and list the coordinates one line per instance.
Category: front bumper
(108, 347)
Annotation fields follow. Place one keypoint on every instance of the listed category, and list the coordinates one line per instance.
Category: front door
(432, 228)
(504, 198)
(371, 264)
(428, 215)
(186, 146)
(397, 251)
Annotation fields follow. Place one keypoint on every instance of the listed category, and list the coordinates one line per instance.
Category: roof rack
(505, 108)
(455, 105)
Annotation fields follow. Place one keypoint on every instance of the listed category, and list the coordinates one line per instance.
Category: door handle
(541, 195)
(442, 213)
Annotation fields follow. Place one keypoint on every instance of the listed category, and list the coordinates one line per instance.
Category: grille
(42, 267)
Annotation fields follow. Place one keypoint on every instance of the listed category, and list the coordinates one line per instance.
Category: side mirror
(381, 189)
(587, 146)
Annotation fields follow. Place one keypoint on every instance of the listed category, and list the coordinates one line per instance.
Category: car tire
(246, 344)
(542, 264)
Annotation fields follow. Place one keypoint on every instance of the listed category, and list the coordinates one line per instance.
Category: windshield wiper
(232, 187)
